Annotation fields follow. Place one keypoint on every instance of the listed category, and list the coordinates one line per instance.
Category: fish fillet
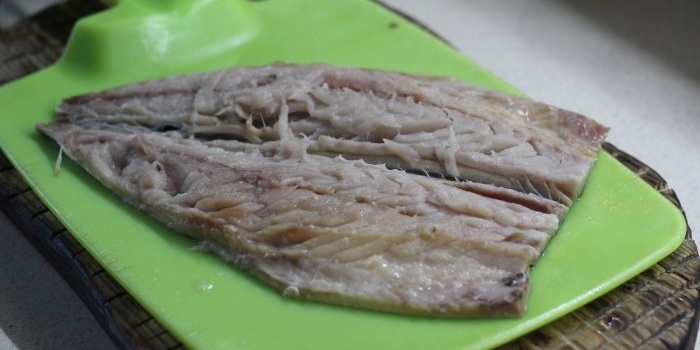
(373, 189)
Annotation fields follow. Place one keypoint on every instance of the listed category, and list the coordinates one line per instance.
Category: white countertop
(633, 65)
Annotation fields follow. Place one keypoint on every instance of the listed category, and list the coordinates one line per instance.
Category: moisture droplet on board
(204, 286)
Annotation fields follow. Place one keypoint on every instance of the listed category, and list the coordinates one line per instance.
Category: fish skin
(299, 174)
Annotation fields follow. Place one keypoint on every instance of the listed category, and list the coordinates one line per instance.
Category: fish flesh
(373, 189)
(326, 228)
(419, 123)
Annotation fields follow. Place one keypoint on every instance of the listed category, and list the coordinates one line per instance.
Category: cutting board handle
(163, 36)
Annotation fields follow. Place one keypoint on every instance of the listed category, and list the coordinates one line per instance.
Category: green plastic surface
(618, 228)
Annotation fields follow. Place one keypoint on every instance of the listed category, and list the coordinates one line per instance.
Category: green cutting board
(618, 228)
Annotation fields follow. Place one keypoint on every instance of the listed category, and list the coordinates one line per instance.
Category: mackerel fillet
(375, 189)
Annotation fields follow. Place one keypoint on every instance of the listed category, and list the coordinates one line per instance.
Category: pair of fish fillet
(375, 189)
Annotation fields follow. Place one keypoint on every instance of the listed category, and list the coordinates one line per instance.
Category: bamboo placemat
(658, 309)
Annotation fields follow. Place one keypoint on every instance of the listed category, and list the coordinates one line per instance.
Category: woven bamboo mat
(658, 309)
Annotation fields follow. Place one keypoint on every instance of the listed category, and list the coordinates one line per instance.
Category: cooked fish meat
(364, 188)
(327, 228)
(427, 124)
